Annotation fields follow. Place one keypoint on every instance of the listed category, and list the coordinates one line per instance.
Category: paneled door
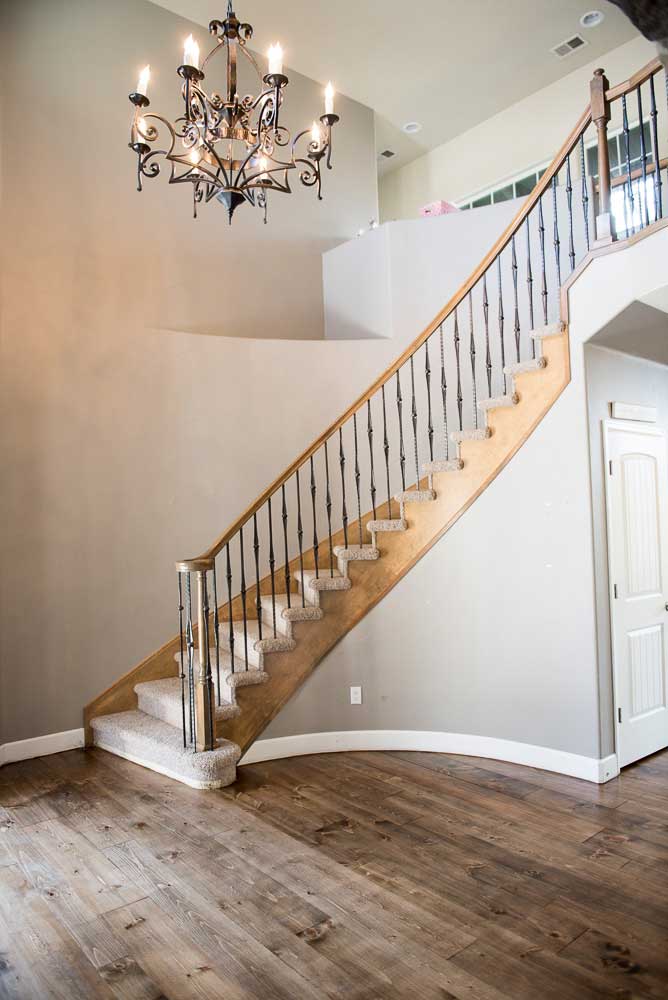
(637, 502)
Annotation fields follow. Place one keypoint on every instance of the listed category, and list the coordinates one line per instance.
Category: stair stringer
(483, 460)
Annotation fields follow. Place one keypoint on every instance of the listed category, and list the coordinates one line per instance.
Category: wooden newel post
(600, 113)
(204, 696)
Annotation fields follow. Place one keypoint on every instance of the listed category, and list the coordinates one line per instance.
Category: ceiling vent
(387, 153)
(567, 48)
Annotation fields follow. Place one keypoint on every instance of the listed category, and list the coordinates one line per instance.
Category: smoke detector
(592, 19)
(567, 48)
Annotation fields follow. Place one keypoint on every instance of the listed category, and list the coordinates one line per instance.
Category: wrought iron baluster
(488, 352)
(414, 421)
(258, 597)
(541, 238)
(272, 566)
(460, 398)
(300, 538)
(286, 569)
(216, 631)
(643, 158)
(569, 202)
(555, 238)
(472, 356)
(190, 645)
(653, 114)
(243, 594)
(386, 452)
(402, 452)
(328, 508)
(516, 317)
(182, 673)
(369, 432)
(585, 190)
(344, 509)
(502, 320)
(208, 678)
(627, 140)
(316, 546)
(444, 395)
(430, 424)
(229, 605)
(357, 480)
(530, 286)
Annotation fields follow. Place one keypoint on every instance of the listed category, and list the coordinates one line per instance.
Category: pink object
(438, 208)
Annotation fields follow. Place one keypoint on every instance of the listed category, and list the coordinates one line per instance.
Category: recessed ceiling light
(592, 19)
(412, 127)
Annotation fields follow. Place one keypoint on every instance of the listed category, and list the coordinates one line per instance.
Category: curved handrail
(502, 242)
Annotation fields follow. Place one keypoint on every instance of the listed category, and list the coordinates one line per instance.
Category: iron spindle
(344, 509)
(555, 239)
(328, 508)
(316, 547)
(516, 319)
(206, 671)
(472, 356)
(414, 421)
(627, 141)
(369, 431)
(216, 631)
(643, 157)
(357, 480)
(502, 321)
(569, 202)
(530, 287)
(444, 396)
(258, 596)
(284, 519)
(460, 398)
(488, 352)
(229, 604)
(272, 566)
(300, 539)
(243, 594)
(541, 237)
(386, 452)
(653, 114)
(430, 424)
(585, 189)
(402, 452)
(182, 673)
(190, 643)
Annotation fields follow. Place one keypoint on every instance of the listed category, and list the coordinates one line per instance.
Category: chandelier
(228, 147)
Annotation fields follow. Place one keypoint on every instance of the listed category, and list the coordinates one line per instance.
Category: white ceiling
(448, 64)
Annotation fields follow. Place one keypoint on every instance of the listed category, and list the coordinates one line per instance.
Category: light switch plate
(356, 696)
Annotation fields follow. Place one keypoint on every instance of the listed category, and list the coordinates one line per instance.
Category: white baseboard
(574, 765)
(41, 746)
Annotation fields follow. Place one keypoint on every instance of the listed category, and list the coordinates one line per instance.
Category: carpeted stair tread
(498, 402)
(522, 367)
(162, 700)
(551, 330)
(415, 496)
(473, 434)
(443, 465)
(324, 580)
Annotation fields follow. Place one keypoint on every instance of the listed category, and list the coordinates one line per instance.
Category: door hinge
(619, 715)
(610, 466)
(614, 590)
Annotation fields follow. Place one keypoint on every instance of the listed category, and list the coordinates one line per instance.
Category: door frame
(612, 424)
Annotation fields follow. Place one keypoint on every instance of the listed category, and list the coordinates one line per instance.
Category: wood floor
(360, 876)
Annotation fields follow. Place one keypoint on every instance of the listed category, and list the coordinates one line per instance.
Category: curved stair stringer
(399, 550)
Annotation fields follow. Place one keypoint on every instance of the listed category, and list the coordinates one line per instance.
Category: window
(519, 188)
(617, 152)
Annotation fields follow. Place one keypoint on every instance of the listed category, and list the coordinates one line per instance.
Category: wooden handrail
(581, 125)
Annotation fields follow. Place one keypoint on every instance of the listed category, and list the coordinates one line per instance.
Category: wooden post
(600, 113)
(204, 725)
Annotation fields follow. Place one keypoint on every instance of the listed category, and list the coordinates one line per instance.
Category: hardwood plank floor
(360, 876)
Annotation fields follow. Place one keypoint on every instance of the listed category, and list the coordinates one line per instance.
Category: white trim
(191, 782)
(545, 758)
(40, 746)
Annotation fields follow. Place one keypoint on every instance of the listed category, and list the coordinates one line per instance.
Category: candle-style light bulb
(275, 57)
(144, 77)
(263, 163)
(316, 135)
(329, 99)
(191, 52)
(194, 156)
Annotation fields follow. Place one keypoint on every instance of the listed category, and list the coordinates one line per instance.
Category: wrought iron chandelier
(230, 148)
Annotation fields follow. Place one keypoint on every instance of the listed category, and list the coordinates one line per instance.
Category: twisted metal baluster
(627, 140)
(216, 631)
(284, 519)
(229, 605)
(369, 432)
(402, 452)
(190, 644)
(516, 320)
(272, 566)
(643, 158)
(243, 594)
(444, 395)
(653, 114)
(316, 546)
(488, 352)
(472, 356)
(386, 452)
(344, 509)
(460, 398)
(328, 508)
(430, 423)
(585, 191)
(300, 538)
(541, 237)
(414, 421)
(182, 673)
(502, 320)
(569, 201)
(208, 678)
(530, 288)
(556, 240)
(357, 480)
(258, 597)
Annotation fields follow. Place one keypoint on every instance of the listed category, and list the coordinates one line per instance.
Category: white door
(637, 499)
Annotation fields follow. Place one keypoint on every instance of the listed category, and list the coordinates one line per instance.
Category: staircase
(259, 610)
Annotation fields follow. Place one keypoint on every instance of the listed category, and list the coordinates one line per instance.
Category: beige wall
(114, 461)
(525, 135)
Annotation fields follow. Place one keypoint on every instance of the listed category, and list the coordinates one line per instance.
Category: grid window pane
(503, 194)
(479, 202)
(525, 186)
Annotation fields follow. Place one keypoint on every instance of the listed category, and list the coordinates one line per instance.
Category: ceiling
(447, 64)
